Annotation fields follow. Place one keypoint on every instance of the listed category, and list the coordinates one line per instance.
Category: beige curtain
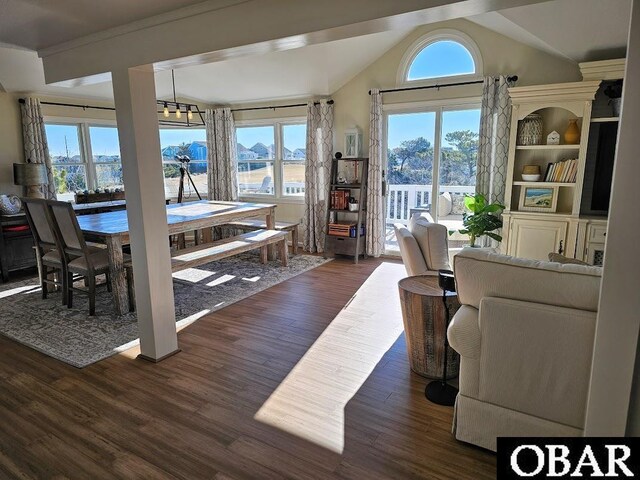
(34, 138)
(222, 161)
(375, 196)
(317, 170)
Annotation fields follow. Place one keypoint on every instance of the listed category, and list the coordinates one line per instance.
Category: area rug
(72, 336)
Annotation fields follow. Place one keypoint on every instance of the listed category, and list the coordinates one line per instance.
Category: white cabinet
(592, 234)
(536, 238)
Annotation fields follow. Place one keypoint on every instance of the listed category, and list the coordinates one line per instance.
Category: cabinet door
(535, 239)
(595, 254)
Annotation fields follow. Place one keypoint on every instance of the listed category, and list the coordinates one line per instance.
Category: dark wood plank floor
(191, 416)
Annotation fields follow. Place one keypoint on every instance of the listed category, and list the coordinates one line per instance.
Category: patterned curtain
(317, 171)
(493, 150)
(35, 141)
(222, 154)
(375, 195)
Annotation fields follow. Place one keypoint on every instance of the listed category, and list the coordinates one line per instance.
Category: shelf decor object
(530, 130)
(531, 173)
(572, 133)
(553, 138)
(538, 199)
(352, 142)
(32, 176)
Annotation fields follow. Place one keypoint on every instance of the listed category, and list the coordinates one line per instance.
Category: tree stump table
(425, 326)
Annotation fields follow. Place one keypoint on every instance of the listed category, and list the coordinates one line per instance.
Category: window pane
(190, 142)
(458, 163)
(255, 178)
(64, 143)
(444, 58)
(105, 150)
(255, 143)
(69, 178)
(294, 140)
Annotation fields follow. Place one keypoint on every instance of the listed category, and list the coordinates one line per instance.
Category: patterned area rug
(74, 337)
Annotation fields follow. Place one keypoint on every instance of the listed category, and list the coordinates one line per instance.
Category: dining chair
(48, 257)
(81, 259)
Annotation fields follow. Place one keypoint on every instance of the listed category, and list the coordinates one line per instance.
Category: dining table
(112, 229)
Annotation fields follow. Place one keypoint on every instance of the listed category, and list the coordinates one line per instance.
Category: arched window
(439, 54)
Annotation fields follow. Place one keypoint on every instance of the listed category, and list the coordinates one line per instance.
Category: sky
(441, 59)
(294, 136)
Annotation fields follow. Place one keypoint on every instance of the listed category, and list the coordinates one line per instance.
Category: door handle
(560, 250)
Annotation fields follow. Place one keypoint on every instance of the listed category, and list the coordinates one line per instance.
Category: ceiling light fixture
(167, 105)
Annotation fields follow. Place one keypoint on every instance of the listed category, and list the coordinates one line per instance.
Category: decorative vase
(530, 130)
(572, 134)
(10, 204)
(615, 106)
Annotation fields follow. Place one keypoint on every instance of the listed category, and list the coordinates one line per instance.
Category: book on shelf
(564, 171)
(340, 199)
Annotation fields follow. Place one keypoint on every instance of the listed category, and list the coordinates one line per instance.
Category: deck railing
(402, 198)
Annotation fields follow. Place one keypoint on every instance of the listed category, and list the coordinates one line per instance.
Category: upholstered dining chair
(48, 257)
(80, 258)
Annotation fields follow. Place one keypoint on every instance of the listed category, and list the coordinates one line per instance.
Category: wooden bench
(261, 225)
(209, 252)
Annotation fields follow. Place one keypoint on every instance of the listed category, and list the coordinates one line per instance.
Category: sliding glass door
(432, 157)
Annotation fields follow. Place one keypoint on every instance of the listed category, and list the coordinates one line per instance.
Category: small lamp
(32, 176)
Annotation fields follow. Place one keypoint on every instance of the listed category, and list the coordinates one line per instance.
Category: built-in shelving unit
(544, 184)
(547, 147)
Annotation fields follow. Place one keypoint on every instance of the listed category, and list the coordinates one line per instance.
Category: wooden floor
(192, 415)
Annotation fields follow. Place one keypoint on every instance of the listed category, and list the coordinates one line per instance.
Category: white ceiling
(581, 30)
(303, 72)
(38, 24)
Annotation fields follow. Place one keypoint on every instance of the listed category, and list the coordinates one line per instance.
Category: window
(441, 54)
(432, 154)
(271, 158)
(69, 162)
(191, 142)
(105, 153)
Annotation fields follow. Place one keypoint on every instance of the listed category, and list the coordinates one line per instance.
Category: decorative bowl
(530, 177)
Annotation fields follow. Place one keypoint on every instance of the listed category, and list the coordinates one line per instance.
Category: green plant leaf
(495, 236)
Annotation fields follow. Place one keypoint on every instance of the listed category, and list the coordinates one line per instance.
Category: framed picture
(352, 143)
(538, 199)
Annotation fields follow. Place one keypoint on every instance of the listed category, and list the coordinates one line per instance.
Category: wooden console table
(424, 319)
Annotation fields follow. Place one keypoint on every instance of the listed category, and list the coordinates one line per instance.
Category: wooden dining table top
(179, 215)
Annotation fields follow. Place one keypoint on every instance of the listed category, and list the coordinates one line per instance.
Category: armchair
(423, 245)
(525, 334)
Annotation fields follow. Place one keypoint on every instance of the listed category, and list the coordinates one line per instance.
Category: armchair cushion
(410, 251)
(432, 240)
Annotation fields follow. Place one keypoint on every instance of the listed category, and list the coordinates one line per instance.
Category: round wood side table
(425, 326)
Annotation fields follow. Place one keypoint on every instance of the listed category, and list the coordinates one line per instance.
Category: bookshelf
(345, 221)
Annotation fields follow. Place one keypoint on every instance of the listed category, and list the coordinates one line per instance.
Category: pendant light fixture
(190, 109)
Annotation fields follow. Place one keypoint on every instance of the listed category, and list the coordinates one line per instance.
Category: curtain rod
(511, 78)
(84, 107)
(330, 102)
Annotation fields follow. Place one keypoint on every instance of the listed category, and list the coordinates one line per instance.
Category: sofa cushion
(481, 273)
(432, 240)
(559, 258)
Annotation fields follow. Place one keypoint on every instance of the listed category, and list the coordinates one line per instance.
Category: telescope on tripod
(184, 171)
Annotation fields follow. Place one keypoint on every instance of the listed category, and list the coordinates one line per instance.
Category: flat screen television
(600, 158)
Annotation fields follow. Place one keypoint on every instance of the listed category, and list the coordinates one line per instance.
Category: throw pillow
(444, 204)
(558, 258)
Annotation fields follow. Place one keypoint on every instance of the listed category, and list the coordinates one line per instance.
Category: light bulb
(178, 112)
(165, 110)
(189, 113)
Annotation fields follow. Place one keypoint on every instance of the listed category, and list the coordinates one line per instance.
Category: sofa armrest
(536, 358)
(464, 332)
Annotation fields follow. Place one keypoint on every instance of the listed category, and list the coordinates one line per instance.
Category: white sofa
(423, 245)
(525, 335)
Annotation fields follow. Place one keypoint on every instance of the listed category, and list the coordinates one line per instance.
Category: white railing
(402, 198)
(290, 188)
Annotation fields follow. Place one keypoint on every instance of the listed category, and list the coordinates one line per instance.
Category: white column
(610, 391)
(134, 94)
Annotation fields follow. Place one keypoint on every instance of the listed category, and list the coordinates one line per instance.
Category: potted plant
(482, 220)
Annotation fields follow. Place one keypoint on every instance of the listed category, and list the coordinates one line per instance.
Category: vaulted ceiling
(580, 30)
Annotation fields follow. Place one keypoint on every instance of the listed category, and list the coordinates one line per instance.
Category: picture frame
(352, 143)
(538, 199)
